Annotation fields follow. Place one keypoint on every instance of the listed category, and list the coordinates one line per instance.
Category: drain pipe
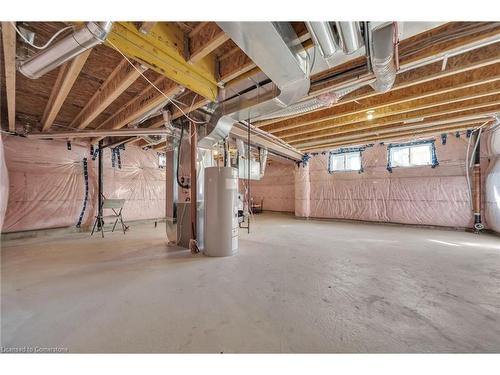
(478, 225)
(82, 39)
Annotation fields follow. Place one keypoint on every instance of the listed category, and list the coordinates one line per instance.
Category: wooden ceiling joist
(323, 119)
(190, 102)
(470, 115)
(417, 49)
(9, 52)
(398, 135)
(143, 104)
(119, 80)
(204, 40)
(481, 57)
(431, 124)
(445, 38)
(403, 122)
(414, 109)
(68, 73)
(234, 65)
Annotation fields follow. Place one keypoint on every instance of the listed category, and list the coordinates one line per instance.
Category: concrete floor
(295, 286)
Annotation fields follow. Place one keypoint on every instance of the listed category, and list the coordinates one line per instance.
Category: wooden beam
(405, 119)
(322, 119)
(432, 121)
(163, 50)
(9, 54)
(204, 40)
(417, 108)
(134, 109)
(119, 80)
(68, 73)
(398, 136)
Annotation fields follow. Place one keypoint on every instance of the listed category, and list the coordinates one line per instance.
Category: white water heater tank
(221, 211)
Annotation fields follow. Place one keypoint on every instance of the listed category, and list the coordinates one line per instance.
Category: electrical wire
(152, 84)
(46, 44)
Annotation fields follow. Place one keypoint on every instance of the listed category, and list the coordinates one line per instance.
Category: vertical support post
(100, 173)
(248, 176)
(193, 196)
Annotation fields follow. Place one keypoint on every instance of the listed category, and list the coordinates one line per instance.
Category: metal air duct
(381, 51)
(350, 38)
(81, 39)
(324, 36)
(242, 148)
(271, 46)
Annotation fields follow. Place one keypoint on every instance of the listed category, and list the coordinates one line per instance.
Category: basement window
(412, 154)
(345, 160)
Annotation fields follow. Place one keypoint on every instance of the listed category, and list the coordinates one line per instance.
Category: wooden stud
(9, 51)
(68, 73)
